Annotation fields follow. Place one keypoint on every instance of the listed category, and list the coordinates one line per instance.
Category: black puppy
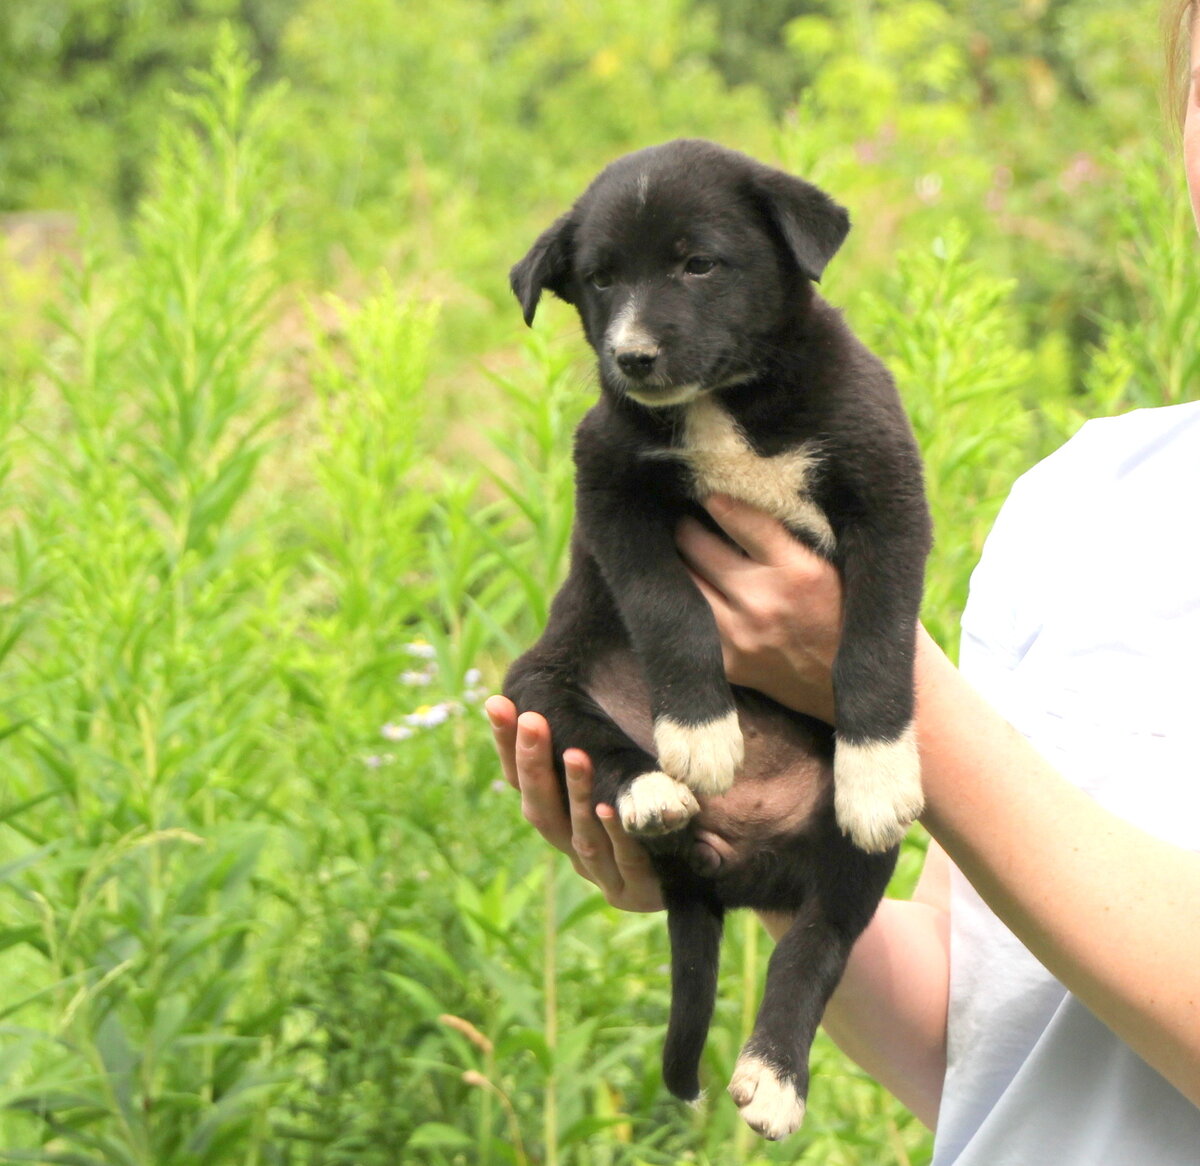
(721, 370)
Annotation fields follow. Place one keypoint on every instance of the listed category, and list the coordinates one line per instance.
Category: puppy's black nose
(636, 362)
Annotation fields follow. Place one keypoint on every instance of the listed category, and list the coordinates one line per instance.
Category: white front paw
(768, 1102)
(877, 790)
(656, 804)
(704, 757)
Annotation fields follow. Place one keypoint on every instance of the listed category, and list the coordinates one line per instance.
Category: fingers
(595, 841)
(502, 714)
(588, 840)
(762, 537)
(524, 746)
(722, 610)
(716, 598)
(706, 552)
(712, 563)
(603, 852)
(630, 865)
(541, 802)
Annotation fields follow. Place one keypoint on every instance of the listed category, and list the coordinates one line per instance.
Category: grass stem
(550, 993)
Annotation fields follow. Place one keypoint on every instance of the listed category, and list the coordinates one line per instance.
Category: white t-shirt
(1082, 630)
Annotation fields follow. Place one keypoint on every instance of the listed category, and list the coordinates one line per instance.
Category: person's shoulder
(1117, 445)
(1106, 450)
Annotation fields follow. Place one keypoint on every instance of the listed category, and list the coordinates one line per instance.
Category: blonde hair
(1178, 17)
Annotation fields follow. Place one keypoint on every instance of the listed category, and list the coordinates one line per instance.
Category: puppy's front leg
(877, 771)
(696, 732)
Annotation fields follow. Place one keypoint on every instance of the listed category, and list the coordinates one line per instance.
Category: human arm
(1104, 906)
(1107, 908)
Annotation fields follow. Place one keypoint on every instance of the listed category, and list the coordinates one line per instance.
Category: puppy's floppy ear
(812, 225)
(548, 265)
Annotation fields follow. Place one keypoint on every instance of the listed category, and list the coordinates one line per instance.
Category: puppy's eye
(699, 265)
(600, 280)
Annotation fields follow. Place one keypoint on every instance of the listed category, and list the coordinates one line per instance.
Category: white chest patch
(723, 462)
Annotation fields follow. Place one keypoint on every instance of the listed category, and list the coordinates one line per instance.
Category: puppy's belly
(785, 781)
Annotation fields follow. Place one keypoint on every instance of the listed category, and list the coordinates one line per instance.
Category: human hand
(594, 840)
(778, 605)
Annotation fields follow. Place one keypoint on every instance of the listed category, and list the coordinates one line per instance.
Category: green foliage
(264, 549)
(1152, 357)
(949, 333)
(142, 782)
(82, 83)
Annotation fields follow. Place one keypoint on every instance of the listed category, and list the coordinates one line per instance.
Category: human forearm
(1104, 906)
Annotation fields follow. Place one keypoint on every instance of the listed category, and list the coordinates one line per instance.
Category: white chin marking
(704, 757)
(679, 395)
(770, 1106)
(877, 790)
(656, 804)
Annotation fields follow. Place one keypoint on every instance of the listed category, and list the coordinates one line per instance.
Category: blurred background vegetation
(284, 485)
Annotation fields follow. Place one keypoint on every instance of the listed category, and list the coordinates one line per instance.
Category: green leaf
(438, 1135)
(591, 905)
(13, 811)
(8, 869)
(585, 1127)
(12, 936)
(530, 1040)
(426, 949)
(421, 996)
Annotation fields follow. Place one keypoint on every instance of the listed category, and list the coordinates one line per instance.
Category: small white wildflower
(473, 691)
(396, 732)
(416, 679)
(377, 759)
(429, 715)
(422, 649)
(498, 786)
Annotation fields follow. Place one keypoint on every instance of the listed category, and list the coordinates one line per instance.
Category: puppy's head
(682, 260)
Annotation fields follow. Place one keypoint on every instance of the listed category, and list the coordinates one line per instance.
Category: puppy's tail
(694, 922)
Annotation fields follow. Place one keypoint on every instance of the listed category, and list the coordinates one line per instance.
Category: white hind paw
(656, 804)
(768, 1102)
(877, 790)
(704, 757)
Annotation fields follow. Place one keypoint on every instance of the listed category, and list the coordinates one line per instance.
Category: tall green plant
(948, 331)
(145, 1032)
(1152, 355)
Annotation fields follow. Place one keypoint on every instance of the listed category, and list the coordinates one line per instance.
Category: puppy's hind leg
(770, 1079)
